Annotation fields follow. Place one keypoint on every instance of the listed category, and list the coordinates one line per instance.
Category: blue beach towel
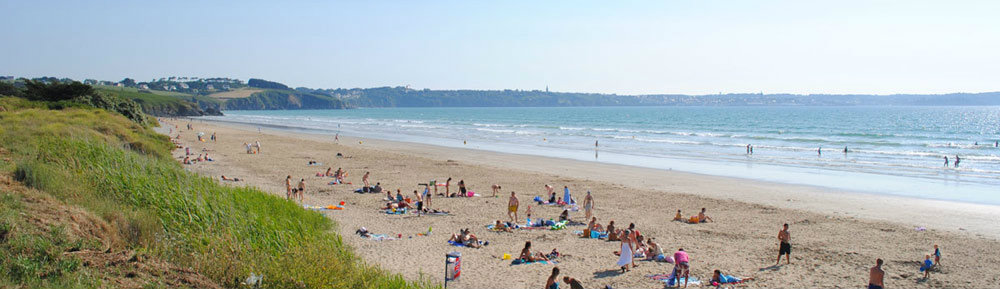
(397, 212)
(521, 261)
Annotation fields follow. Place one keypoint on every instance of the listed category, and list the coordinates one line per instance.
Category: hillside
(162, 103)
(91, 199)
(277, 99)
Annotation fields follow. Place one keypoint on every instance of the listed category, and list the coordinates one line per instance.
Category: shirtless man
(875, 275)
(704, 218)
(420, 202)
(302, 189)
(588, 204)
(512, 208)
(784, 247)
(364, 179)
(288, 188)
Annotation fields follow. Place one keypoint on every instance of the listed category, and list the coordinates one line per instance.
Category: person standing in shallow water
(946, 163)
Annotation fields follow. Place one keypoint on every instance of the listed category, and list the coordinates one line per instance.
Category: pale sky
(625, 47)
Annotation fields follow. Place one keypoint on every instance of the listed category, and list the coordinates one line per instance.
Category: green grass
(123, 172)
(158, 102)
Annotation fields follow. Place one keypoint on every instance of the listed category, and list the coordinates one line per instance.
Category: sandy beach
(836, 236)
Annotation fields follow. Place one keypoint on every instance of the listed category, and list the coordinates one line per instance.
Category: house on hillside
(209, 87)
(184, 85)
(166, 87)
(144, 86)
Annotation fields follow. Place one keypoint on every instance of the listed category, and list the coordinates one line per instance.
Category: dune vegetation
(109, 185)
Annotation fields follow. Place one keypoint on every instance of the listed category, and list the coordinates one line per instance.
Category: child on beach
(926, 267)
(937, 255)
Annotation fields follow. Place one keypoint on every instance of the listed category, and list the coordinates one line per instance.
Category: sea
(882, 150)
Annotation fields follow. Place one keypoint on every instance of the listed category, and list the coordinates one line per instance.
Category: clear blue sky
(688, 46)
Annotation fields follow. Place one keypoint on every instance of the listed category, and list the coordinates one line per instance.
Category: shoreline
(977, 219)
(830, 248)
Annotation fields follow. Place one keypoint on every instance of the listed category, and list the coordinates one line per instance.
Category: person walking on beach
(626, 254)
(876, 275)
(213, 137)
(588, 205)
(957, 160)
(946, 161)
(512, 208)
(364, 179)
(257, 144)
(288, 188)
(784, 245)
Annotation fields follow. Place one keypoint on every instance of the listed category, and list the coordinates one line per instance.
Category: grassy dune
(123, 173)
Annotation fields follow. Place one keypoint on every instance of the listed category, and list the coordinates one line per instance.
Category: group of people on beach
(633, 244)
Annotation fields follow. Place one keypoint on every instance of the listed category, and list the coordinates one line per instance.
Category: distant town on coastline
(191, 96)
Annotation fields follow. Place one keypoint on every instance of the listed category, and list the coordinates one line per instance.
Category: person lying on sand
(500, 226)
(718, 279)
(465, 237)
(526, 255)
(224, 178)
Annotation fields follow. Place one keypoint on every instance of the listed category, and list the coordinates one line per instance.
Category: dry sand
(836, 236)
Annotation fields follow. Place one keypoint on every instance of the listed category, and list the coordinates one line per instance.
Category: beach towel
(456, 244)
(521, 261)
(380, 237)
(598, 235)
(397, 212)
(690, 280)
